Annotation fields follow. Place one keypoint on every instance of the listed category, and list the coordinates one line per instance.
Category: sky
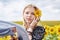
(11, 10)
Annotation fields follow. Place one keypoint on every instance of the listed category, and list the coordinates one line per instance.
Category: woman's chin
(28, 21)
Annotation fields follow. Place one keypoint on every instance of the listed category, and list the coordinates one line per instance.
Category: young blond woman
(31, 16)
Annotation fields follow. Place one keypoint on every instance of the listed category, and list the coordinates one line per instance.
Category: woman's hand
(33, 24)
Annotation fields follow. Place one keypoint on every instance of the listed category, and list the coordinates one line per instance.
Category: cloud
(11, 10)
(50, 9)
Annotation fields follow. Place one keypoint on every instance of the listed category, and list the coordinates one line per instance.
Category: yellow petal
(37, 13)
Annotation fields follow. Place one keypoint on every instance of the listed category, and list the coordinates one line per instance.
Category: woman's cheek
(32, 17)
(25, 16)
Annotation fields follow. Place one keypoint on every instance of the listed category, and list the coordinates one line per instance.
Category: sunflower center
(51, 30)
(59, 30)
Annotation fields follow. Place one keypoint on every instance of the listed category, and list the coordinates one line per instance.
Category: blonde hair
(30, 5)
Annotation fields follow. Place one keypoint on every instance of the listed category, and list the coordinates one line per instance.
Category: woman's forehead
(30, 9)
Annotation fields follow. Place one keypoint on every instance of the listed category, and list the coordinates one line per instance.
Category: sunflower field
(52, 29)
(52, 32)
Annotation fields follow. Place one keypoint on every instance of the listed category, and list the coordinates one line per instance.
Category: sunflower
(58, 37)
(46, 33)
(58, 29)
(52, 30)
(8, 37)
(37, 13)
(2, 38)
(46, 29)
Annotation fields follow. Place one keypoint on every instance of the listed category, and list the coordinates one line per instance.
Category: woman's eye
(32, 13)
(27, 13)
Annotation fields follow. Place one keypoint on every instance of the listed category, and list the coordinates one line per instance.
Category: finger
(37, 19)
(34, 18)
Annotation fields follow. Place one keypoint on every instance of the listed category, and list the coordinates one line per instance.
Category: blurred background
(11, 10)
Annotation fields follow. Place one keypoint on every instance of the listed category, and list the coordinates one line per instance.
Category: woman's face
(29, 14)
